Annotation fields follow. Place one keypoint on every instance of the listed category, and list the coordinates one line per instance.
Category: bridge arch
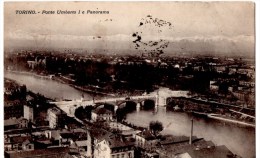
(148, 104)
(129, 105)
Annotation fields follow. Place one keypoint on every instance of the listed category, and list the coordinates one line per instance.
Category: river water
(47, 87)
(240, 140)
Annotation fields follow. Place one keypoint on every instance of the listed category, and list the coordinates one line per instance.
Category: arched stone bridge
(159, 98)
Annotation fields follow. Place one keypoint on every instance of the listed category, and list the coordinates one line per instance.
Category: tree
(80, 113)
(155, 127)
(120, 114)
(88, 110)
(84, 113)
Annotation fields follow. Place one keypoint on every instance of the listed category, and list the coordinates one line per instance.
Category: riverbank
(91, 91)
(222, 112)
(223, 118)
(58, 79)
(29, 73)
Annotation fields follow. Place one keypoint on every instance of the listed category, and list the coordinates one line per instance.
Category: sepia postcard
(129, 79)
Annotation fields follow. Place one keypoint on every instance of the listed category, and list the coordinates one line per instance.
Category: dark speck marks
(106, 20)
(146, 25)
(138, 39)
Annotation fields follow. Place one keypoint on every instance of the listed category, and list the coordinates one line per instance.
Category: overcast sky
(223, 22)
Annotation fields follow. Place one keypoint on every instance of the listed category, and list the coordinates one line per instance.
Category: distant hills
(122, 44)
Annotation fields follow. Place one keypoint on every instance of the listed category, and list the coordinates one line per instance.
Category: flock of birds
(152, 48)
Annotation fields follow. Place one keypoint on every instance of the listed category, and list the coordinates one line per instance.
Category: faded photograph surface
(129, 79)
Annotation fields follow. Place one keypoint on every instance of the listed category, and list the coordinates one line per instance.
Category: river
(47, 87)
(240, 140)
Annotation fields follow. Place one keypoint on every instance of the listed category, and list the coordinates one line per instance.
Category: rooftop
(199, 148)
(11, 122)
(213, 152)
(75, 134)
(118, 142)
(55, 134)
(176, 139)
(99, 134)
(81, 143)
(57, 111)
(146, 134)
(20, 139)
(58, 152)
